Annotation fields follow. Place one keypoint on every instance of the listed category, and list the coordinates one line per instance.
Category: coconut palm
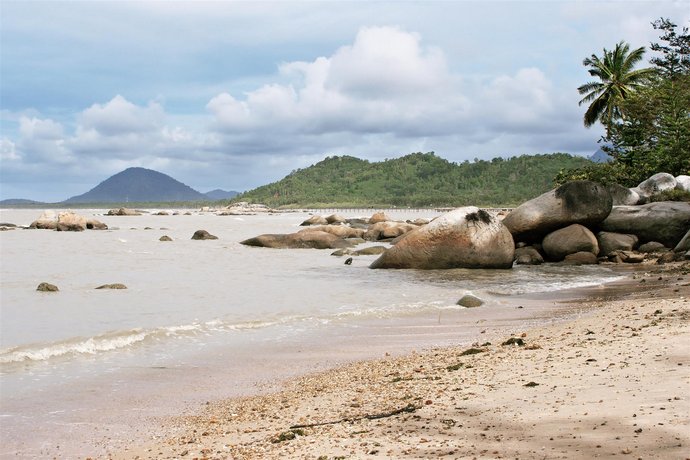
(617, 80)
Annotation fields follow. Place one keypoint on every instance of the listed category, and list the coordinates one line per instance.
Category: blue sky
(233, 95)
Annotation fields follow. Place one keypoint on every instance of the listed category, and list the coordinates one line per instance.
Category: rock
(463, 238)
(581, 258)
(623, 195)
(341, 252)
(419, 222)
(609, 242)
(683, 183)
(7, 225)
(348, 261)
(370, 251)
(93, 224)
(578, 202)
(203, 235)
(341, 231)
(470, 301)
(388, 229)
(684, 243)
(47, 287)
(315, 220)
(358, 222)
(335, 219)
(162, 213)
(70, 222)
(528, 255)
(244, 208)
(652, 246)
(112, 286)
(515, 341)
(663, 221)
(165, 238)
(630, 257)
(668, 257)
(569, 240)
(47, 221)
(655, 184)
(299, 240)
(123, 212)
(379, 217)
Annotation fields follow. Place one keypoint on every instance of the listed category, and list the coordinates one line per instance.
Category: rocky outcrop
(569, 240)
(610, 242)
(47, 221)
(379, 217)
(203, 235)
(93, 224)
(578, 202)
(463, 238)
(123, 212)
(243, 208)
(335, 219)
(299, 240)
(664, 221)
(657, 183)
(70, 222)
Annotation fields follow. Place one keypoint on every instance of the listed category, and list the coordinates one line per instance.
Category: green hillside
(415, 180)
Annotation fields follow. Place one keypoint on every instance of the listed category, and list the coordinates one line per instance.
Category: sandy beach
(612, 382)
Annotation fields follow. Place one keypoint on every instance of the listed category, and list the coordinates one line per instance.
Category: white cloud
(8, 150)
(119, 116)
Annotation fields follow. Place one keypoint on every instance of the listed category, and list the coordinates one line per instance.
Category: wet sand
(611, 380)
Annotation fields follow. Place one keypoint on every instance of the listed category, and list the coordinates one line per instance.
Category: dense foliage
(415, 180)
(650, 131)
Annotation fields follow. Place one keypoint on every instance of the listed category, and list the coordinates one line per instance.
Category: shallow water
(204, 319)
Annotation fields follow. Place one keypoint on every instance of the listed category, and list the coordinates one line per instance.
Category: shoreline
(593, 390)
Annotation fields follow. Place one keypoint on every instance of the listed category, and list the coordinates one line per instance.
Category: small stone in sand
(112, 286)
(47, 287)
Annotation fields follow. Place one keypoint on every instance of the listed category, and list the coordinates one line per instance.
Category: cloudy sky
(233, 95)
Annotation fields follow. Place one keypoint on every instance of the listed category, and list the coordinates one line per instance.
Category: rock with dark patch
(578, 202)
(665, 221)
(569, 240)
(299, 240)
(623, 195)
(203, 235)
(165, 238)
(112, 286)
(348, 261)
(70, 222)
(47, 287)
(470, 301)
(528, 255)
(315, 220)
(581, 258)
(609, 242)
(93, 224)
(463, 238)
(652, 246)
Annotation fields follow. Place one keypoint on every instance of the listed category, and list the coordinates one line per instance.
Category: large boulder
(387, 229)
(663, 221)
(581, 258)
(655, 184)
(93, 224)
(569, 240)
(123, 212)
(335, 219)
(315, 220)
(683, 183)
(299, 240)
(341, 231)
(463, 238)
(528, 255)
(46, 221)
(379, 217)
(623, 196)
(203, 235)
(70, 222)
(609, 242)
(578, 202)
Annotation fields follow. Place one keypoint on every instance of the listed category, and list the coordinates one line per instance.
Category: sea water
(208, 319)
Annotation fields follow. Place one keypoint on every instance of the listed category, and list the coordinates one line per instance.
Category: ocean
(84, 371)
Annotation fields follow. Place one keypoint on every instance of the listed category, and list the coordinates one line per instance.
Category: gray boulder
(577, 202)
(657, 183)
(203, 235)
(684, 244)
(683, 183)
(299, 240)
(569, 240)
(463, 238)
(652, 246)
(470, 301)
(609, 242)
(663, 221)
(528, 255)
(623, 196)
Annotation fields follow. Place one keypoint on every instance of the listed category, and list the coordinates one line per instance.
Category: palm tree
(617, 80)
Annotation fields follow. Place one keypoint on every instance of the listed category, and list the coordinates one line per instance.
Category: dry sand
(612, 383)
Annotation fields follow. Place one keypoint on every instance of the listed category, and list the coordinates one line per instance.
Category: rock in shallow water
(47, 287)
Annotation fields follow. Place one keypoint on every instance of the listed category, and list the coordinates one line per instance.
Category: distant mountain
(18, 202)
(600, 157)
(219, 194)
(418, 180)
(139, 185)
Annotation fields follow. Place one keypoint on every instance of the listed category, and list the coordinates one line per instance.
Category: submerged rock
(112, 286)
(70, 222)
(47, 287)
(203, 235)
(165, 238)
(299, 240)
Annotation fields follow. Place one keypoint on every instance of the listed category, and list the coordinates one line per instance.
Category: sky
(237, 94)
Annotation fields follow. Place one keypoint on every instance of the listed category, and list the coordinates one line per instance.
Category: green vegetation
(415, 180)
(648, 125)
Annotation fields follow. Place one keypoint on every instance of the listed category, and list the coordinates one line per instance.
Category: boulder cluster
(66, 221)
(581, 222)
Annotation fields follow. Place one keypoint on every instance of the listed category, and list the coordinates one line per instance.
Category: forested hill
(416, 180)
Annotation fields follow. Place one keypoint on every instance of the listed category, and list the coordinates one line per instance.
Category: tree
(616, 81)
